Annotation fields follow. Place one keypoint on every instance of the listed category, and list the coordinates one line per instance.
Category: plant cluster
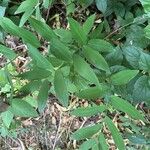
(95, 58)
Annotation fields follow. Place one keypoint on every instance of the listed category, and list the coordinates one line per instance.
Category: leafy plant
(86, 65)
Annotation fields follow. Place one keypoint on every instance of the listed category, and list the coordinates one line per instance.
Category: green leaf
(26, 35)
(2, 11)
(61, 88)
(60, 50)
(95, 58)
(77, 32)
(43, 29)
(87, 26)
(84, 70)
(25, 17)
(147, 31)
(92, 92)
(123, 77)
(23, 109)
(115, 134)
(146, 5)
(101, 5)
(87, 144)
(115, 57)
(40, 60)
(142, 86)
(7, 52)
(3, 78)
(64, 35)
(30, 87)
(35, 74)
(100, 45)
(43, 96)
(7, 117)
(144, 62)
(88, 111)
(102, 141)
(26, 5)
(132, 55)
(124, 106)
(86, 132)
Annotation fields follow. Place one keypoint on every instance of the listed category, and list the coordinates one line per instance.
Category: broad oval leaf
(84, 70)
(123, 77)
(23, 109)
(101, 5)
(132, 55)
(124, 106)
(141, 91)
(61, 88)
(43, 96)
(144, 62)
(86, 132)
(115, 134)
(7, 52)
(95, 58)
(88, 111)
(77, 32)
(100, 45)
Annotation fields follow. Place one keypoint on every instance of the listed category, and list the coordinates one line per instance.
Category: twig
(57, 137)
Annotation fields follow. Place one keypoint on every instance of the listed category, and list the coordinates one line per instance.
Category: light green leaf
(86, 132)
(100, 45)
(11, 28)
(30, 87)
(25, 17)
(101, 5)
(2, 11)
(77, 32)
(95, 58)
(7, 117)
(40, 60)
(84, 70)
(102, 141)
(147, 31)
(61, 88)
(123, 77)
(60, 50)
(115, 134)
(43, 96)
(43, 29)
(87, 26)
(26, 5)
(124, 106)
(22, 109)
(87, 144)
(92, 92)
(146, 5)
(88, 111)
(7, 52)
(35, 74)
